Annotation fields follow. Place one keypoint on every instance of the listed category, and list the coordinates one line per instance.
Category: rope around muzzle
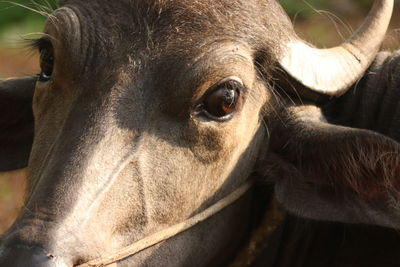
(169, 232)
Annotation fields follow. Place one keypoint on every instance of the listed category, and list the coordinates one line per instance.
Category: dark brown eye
(223, 100)
(46, 64)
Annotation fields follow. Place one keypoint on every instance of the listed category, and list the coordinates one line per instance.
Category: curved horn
(332, 71)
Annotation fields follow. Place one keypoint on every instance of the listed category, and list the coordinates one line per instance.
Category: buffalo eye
(46, 64)
(222, 101)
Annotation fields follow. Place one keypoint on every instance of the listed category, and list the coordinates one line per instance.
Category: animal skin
(145, 113)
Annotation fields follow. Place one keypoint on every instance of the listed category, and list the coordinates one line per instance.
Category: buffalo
(156, 129)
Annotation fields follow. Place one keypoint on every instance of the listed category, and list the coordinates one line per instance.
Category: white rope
(170, 231)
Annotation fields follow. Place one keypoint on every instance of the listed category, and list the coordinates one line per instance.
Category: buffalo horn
(332, 71)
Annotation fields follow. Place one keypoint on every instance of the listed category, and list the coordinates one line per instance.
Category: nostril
(79, 262)
(50, 256)
(23, 256)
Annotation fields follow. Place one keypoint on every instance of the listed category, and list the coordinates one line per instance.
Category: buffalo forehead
(157, 28)
(152, 40)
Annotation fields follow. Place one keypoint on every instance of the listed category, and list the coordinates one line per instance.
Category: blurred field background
(321, 22)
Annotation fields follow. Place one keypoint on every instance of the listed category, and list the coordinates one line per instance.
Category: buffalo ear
(16, 122)
(328, 172)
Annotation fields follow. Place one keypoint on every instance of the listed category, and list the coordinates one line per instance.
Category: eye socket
(46, 64)
(222, 101)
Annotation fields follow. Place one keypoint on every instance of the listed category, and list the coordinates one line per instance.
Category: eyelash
(40, 43)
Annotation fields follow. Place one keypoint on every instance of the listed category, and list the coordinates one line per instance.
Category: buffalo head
(147, 112)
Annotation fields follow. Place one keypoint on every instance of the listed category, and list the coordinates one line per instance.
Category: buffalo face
(146, 113)
(140, 123)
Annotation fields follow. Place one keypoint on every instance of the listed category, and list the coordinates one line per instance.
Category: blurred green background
(306, 7)
(20, 17)
(16, 23)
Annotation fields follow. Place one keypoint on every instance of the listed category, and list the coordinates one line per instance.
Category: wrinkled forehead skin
(154, 29)
(118, 153)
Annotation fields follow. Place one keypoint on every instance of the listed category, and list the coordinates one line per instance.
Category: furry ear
(328, 172)
(16, 122)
